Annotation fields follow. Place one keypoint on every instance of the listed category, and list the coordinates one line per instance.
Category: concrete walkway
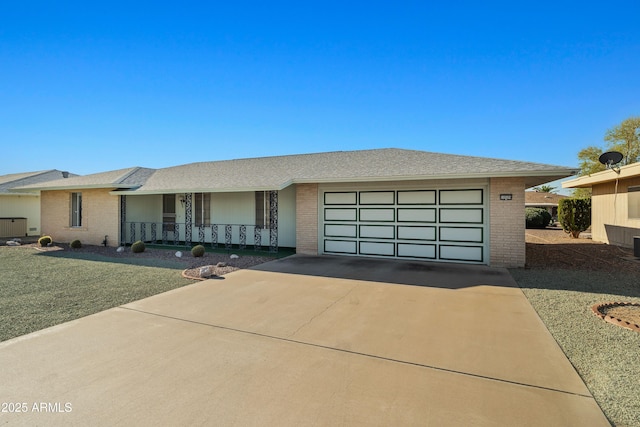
(305, 341)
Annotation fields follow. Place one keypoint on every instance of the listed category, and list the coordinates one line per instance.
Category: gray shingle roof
(9, 182)
(274, 173)
(122, 178)
(342, 166)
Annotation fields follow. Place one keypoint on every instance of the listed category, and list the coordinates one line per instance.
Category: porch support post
(188, 214)
(273, 225)
(123, 220)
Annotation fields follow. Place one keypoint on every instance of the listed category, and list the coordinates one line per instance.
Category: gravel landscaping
(563, 279)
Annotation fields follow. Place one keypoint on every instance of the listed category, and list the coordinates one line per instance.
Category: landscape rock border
(614, 320)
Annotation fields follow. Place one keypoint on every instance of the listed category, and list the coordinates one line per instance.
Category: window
(263, 211)
(76, 210)
(202, 208)
(168, 211)
(634, 202)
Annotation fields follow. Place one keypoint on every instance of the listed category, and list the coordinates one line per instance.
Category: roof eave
(624, 172)
(535, 178)
(75, 187)
(538, 177)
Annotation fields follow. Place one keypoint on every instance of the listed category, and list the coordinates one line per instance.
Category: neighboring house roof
(539, 198)
(624, 172)
(117, 179)
(275, 173)
(16, 180)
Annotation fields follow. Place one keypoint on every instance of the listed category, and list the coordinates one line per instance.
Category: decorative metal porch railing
(227, 236)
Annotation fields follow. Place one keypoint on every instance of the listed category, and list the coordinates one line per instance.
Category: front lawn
(41, 289)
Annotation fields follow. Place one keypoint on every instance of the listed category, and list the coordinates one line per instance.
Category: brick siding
(307, 219)
(100, 217)
(507, 223)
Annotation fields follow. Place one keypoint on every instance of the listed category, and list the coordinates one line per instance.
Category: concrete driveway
(305, 341)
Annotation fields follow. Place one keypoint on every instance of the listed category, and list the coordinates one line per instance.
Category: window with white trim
(263, 209)
(76, 210)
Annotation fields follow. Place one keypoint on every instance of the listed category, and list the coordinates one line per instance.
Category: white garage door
(446, 224)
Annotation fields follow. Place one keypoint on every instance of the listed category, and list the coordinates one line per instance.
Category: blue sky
(89, 87)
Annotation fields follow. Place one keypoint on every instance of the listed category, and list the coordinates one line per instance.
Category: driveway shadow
(404, 272)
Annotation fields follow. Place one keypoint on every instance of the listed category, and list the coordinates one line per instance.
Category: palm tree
(544, 189)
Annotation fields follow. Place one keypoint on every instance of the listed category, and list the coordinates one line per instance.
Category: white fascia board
(546, 173)
(628, 171)
(14, 193)
(72, 187)
(134, 192)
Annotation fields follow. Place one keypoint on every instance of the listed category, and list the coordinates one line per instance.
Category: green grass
(607, 357)
(41, 289)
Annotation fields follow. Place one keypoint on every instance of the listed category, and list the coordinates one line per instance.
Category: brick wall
(100, 217)
(307, 219)
(507, 223)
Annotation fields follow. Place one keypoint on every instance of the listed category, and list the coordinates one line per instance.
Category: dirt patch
(209, 265)
(553, 248)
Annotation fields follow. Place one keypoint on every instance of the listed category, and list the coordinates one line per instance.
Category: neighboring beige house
(389, 203)
(615, 204)
(20, 211)
(539, 199)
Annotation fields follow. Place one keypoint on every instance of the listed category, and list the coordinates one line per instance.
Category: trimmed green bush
(44, 240)
(574, 215)
(197, 251)
(76, 244)
(138, 247)
(537, 218)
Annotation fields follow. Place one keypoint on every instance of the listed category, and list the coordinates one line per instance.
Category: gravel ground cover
(563, 279)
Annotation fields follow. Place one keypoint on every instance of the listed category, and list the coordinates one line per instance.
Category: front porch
(246, 220)
(215, 236)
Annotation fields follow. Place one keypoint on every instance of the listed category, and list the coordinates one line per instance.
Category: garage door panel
(415, 250)
(340, 246)
(418, 197)
(461, 216)
(378, 215)
(416, 215)
(461, 253)
(345, 214)
(377, 197)
(339, 230)
(378, 231)
(341, 198)
(461, 234)
(461, 197)
(416, 232)
(377, 248)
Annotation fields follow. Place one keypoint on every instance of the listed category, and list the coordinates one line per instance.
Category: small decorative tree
(574, 215)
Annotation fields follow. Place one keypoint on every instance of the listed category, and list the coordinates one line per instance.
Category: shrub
(537, 218)
(137, 247)
(44, 240)
(197, 251)
(574, 215)
(76, 244)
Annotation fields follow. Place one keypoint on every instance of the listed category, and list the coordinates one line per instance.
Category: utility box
(13, 227)
(636, 246)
